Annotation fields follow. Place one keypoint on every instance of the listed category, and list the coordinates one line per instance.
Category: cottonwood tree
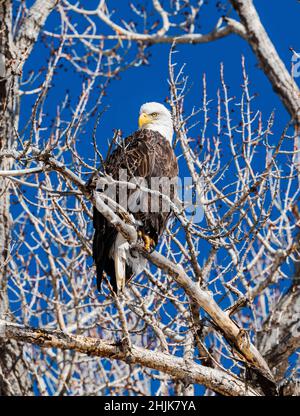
(218, 304)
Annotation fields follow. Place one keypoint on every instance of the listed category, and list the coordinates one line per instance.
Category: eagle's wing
(146, 154)
(136, 154)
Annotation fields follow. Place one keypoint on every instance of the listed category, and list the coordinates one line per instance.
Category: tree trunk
(13, 370)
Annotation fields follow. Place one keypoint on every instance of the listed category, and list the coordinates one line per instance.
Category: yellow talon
(148, 241)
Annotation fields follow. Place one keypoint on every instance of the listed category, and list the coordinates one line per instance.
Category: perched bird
(145, 155)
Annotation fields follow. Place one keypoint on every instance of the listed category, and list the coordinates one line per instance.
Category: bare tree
(223, 320)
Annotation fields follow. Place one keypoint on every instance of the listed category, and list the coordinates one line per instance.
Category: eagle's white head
(155, 116)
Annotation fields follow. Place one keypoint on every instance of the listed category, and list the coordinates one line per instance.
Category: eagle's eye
(154, 115)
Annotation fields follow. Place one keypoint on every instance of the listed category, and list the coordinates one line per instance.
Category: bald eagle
(145, 154)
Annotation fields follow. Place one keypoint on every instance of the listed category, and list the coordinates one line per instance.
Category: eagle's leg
(149, 243)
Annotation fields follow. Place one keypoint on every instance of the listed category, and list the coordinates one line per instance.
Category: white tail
(121, 251)
(122, 256)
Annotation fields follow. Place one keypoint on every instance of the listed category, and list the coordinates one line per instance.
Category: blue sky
(149, 83)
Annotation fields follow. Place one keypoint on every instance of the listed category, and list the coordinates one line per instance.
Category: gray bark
(218, 380)
(268, 58)
(281, 334)
(13, 377)
(14, 374)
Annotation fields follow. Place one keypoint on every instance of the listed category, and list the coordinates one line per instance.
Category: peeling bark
(178, 368)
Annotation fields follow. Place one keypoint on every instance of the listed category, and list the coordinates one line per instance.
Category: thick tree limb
(232, 27)
(13, 367)
(20, 172)
(161, 35)
(281, 333)
(235, 336)
(282, 82)
(280, 336)
(30, 29)
(214, 379)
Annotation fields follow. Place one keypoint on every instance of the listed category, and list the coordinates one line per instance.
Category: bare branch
(179, 369)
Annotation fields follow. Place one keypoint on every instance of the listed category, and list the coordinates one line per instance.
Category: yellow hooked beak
(144, 119)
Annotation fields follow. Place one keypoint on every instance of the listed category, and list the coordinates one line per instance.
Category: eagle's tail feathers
(121, 250)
